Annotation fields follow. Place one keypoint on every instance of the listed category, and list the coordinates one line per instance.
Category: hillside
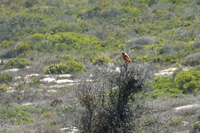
(47, 47)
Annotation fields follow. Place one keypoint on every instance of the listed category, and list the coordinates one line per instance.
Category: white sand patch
(26, 104)
(187, 107)
(51, 91)
(47, 76)
(64, 75)
(12, 70)
(11, 90)
(64, 81)
(18, 77)
(89, 80)
(48, 80)
(65, 128)
(32, 75)
(169, 71)
(163, 73)
(186, 69)
(63, 85)
(166, 72)
(28, 67)
(69, 130)
(117, 69)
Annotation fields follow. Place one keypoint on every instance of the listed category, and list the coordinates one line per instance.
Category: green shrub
(196, 126)
(188, 81)
(177, 121)
(16, 63)
(176, 84)
(47, 114)
(56, 68)
(101, 60)
(67, 41)
(37, 36)
(70, 66)
(132, 10)
(52, 122)
(14, 49)
(35, 82)
(3, 87)
(6, 44)
(5, 77)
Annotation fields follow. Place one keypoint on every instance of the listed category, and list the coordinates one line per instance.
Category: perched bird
(126, 58)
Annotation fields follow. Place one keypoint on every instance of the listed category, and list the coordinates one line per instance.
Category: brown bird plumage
(126, 58)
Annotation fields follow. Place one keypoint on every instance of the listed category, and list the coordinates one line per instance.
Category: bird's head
(123, 53)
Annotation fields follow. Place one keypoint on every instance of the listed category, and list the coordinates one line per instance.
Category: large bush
(177, 84)
(111, 100)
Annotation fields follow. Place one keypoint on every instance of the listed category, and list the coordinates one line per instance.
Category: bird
(126, 57)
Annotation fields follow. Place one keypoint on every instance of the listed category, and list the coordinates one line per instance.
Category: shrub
(47, 115)
(70, 66)
(108, 103)
(101, 60)
(35, 82)
(177, 121)
(16, 63)
(192, 59)
(176, 84)
(134, 11)
(13, 49)
(5, 77)
(37, 36)
(188, 81)
(196, 127)
(3, 87)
